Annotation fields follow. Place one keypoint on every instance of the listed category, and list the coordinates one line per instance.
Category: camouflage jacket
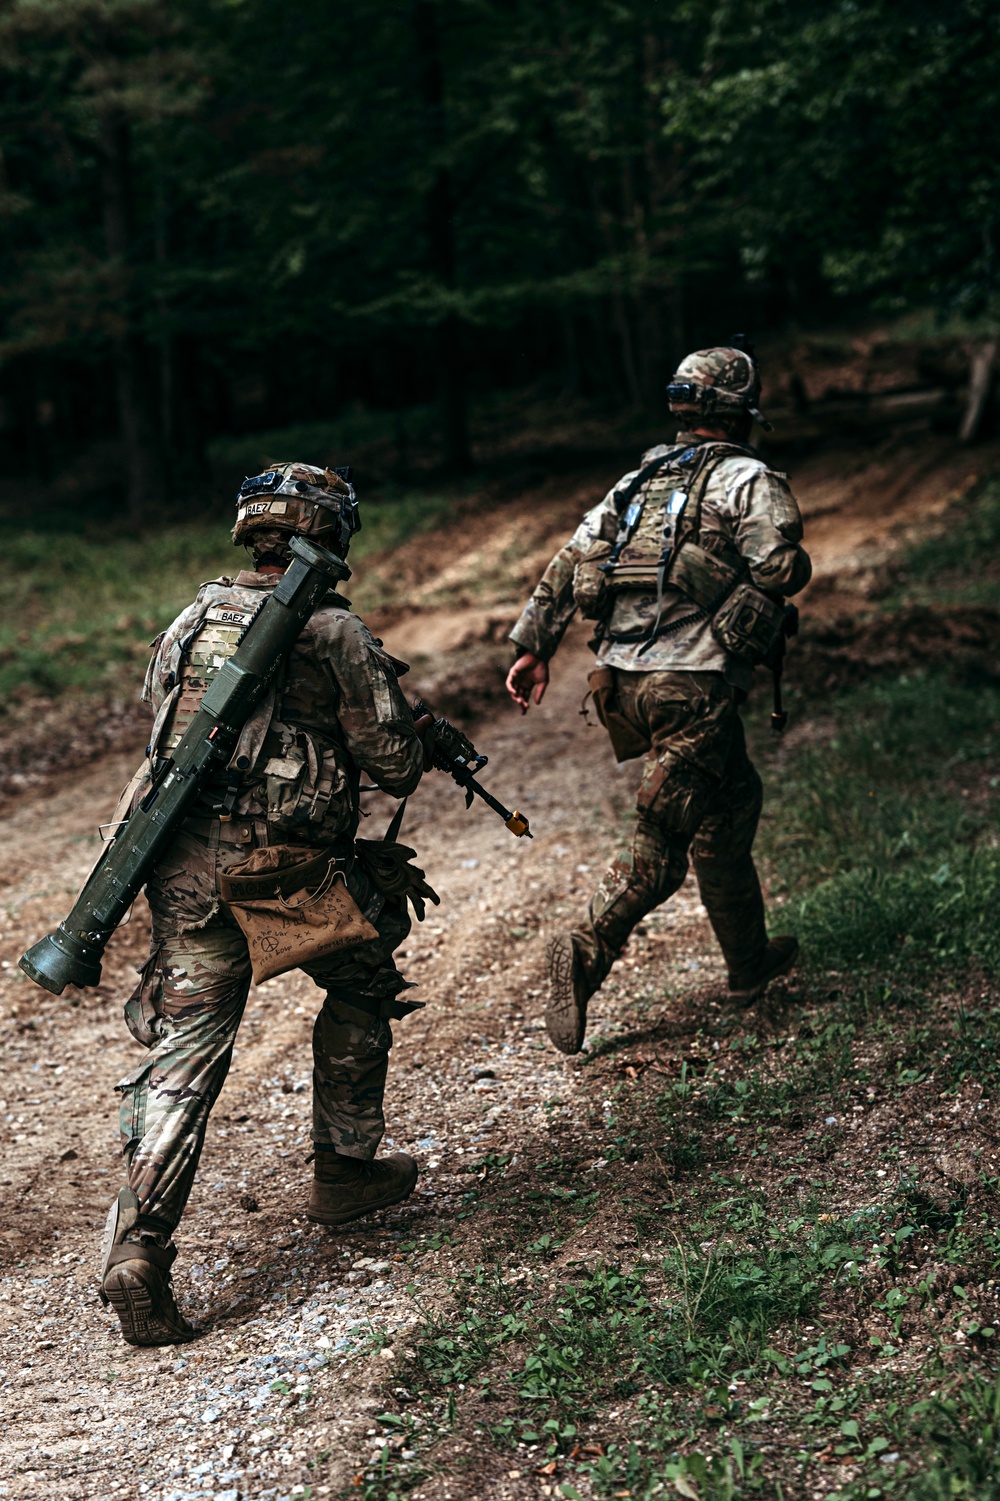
(335, 711)
(745, 505)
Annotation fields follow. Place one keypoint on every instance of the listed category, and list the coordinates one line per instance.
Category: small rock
(210, 1415)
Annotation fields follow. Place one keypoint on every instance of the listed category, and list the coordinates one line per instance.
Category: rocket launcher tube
(72, 954)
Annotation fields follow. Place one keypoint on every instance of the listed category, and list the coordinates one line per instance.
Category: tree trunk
(980, 382)
(440, 209)
(144, 478)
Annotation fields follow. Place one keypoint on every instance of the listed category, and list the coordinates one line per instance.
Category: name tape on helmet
(262, 508)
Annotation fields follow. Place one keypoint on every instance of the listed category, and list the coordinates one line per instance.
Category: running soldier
(683, 566)
(335, 710)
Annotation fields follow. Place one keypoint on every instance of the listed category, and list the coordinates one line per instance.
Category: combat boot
(345, 1188)
(137, 1286)
(779, 956)
(569, 991)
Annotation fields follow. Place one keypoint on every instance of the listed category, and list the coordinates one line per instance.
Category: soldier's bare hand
(529, 677)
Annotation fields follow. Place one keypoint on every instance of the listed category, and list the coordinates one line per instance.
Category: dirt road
(289, 1364)
(303, 1327)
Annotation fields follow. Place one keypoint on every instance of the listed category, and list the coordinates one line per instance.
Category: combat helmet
(296, 499)
(722, 382)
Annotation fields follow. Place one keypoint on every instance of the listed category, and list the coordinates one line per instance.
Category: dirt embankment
(456, 591)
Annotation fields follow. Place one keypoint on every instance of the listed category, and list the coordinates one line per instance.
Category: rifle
(454, 752)
(72, 954)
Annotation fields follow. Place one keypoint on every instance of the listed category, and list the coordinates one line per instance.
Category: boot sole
(131, 1297)
(319, 1217)
(565, 1018)
(741, 998)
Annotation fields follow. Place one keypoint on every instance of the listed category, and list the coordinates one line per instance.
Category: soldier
(336, 710)
(683, 565)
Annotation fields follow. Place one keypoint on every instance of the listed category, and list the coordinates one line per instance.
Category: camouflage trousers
(699, 794)
(188, 1006)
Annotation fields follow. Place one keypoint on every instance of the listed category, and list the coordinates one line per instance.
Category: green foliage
(209, 232)
(82, 609)
(960, 562)
(833, 133)
(962, 1431)
(888, 862)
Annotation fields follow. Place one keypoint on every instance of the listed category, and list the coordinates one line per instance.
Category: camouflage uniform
(699, 791)
(338, 710)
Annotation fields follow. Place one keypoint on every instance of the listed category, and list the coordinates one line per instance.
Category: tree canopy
(226, 213)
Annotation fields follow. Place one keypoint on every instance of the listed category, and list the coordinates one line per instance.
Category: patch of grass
(749, 1342)
(82, 610)
(883, 830)
(960, 563)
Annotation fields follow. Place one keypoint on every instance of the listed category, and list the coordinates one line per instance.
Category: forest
(721, 1252)
(226, 216)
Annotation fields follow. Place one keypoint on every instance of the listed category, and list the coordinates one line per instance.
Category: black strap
(680, 455)
(779, 714)
(392, 832)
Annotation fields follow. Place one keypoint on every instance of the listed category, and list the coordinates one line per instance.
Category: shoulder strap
(688, 529)
(629, 513)
(710, 454)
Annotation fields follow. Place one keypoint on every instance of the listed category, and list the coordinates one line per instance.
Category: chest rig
(662, 556)
(659, 553)
(289, 765)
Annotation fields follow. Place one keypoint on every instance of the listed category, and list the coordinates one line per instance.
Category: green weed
(958, 564)
(884, 831)
(83, 609)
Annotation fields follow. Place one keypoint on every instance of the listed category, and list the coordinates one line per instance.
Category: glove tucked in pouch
(293, 906)
(387, 865)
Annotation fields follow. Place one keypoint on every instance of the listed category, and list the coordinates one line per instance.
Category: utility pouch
(293, 906)
(300, 784)
(749, 624)
(626, 741)
(704, 577)
(591, 590)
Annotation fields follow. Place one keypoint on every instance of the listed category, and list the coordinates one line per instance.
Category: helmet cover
(720, 382)
(291, 499)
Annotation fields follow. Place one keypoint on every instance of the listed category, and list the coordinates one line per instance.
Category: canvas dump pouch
(626, 741)
(293, 906)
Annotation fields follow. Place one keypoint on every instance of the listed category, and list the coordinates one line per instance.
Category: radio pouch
(591, 591)
(749, 624)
